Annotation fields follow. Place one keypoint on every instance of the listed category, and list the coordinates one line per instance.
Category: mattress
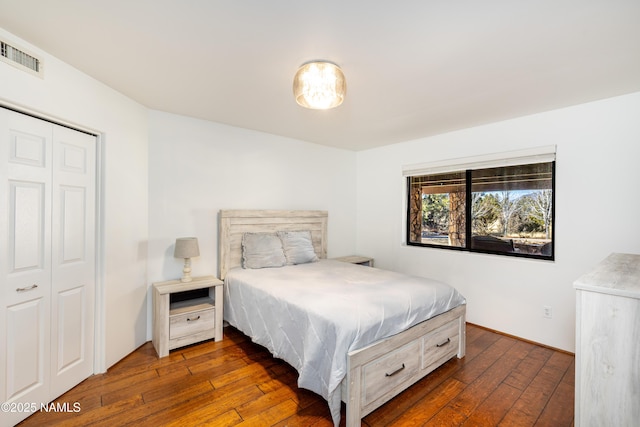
(312, 315)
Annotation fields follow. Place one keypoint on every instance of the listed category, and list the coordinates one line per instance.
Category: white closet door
(73, 258)
(25, 257)
(47, 259)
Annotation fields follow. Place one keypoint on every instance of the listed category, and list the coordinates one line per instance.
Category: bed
(348, 345)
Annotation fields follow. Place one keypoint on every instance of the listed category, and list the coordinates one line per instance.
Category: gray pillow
(262, 250)
(298, 247)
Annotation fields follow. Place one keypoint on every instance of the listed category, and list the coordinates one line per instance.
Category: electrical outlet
(546, 311)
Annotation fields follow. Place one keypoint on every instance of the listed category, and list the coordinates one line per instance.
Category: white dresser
(608, 343)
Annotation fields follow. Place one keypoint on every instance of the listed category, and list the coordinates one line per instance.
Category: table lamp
(187, 248)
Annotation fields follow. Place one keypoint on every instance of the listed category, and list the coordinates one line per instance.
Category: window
(506, 209)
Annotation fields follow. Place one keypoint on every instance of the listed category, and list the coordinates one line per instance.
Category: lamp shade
(319, 85)
(186, 247)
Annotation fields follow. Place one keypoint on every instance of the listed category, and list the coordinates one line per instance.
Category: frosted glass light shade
(319, 85)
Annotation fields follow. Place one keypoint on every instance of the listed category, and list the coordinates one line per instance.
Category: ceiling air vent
(19, 58)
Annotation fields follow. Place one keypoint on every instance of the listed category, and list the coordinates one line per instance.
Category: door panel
(26, 148)
(73, 269)
(25, 260)
(26, 368)
(74, 158)
(71, 329)
(26, 226)
(73, 225)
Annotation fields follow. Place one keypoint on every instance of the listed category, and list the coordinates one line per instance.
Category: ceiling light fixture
(319, 85)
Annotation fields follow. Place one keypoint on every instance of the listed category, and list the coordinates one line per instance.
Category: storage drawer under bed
(440, 345)
(388, 375)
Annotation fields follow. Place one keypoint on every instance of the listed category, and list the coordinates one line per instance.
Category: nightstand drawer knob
(193, 320)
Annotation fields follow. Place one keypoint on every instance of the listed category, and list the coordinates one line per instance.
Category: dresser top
(618, 274)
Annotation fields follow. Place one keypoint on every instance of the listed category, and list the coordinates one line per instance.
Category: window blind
(509, 158)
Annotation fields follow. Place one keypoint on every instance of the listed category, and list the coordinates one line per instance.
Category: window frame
(413, 171)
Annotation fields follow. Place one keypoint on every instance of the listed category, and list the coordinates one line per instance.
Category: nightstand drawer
(191, 323)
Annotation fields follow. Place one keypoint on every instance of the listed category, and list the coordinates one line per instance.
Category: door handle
(27, 288)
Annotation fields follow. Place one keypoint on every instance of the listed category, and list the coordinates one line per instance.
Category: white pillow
(262, 250)
(298, 247)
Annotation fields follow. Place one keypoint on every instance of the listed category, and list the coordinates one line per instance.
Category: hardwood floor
(502, 381)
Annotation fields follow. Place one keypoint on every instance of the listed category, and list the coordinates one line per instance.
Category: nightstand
(186, 312)
(355, 259)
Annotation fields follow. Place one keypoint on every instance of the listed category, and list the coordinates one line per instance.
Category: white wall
(197, 168)
(597, 207)
(173, 186)
(69, 96)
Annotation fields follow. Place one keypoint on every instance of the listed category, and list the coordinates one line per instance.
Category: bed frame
(381, 370)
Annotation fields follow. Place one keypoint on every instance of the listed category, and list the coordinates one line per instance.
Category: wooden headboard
(234, 223)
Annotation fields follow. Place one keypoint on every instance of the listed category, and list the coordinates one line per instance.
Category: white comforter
(312, 315)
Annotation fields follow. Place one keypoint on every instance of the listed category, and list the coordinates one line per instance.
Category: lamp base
(186, 271)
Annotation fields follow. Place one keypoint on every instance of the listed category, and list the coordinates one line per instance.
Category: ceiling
(414, 68)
